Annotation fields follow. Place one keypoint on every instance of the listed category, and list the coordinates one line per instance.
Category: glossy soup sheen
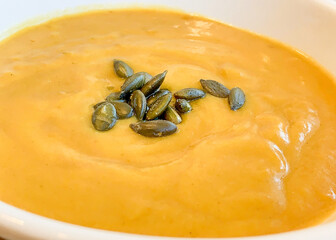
(266, 168)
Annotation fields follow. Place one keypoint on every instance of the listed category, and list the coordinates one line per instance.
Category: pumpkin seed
(154, 84)
(115, 96)
(147, 76)
(172, 116)
(183, 106)
(123, 110)
(215, 88)
(159, 107)
(156, 128)
(236, 98)
(122, 69)
(138, 101)
(104, 117)
(152, 99)
(134, 82)
(97, 105)
(189, 94)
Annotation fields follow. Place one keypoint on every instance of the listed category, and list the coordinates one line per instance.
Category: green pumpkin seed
(236, 98)
(215, 88)
(147, 76)
(104, 117)
(122, 69)
(97, 105)
(159, 107)
(133, 83)
(115, 96)
(183, 106)
(154, 84)
(130, 100)
(172, 116)
(152, 99)
(189, 94)
(123, 110)
(138, 101)
(156, 128)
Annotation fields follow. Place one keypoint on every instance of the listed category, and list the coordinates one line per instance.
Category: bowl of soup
(187, 119)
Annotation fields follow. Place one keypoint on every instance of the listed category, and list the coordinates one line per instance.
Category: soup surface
(268, 167)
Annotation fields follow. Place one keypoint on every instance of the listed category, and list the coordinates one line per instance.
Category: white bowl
(308, 25)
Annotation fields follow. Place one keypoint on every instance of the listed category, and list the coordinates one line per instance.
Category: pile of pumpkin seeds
(140, 95)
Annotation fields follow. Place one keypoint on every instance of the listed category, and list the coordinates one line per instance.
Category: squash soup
(267, 167)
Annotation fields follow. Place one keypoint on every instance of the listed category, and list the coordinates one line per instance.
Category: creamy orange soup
(266, 168)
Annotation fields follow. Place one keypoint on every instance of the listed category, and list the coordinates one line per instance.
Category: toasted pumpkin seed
(151, 86)
(104, 117)
(215, 88)
(189, 94)
(115, 96)
(159, 107)
(236, 98)
(138, 101)
(183, 106)
(133, 83)
(156, 128)
(122, 69)
(151, 100)
(147, 76)
(172, 116)
(123, 110)
(97, 105)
